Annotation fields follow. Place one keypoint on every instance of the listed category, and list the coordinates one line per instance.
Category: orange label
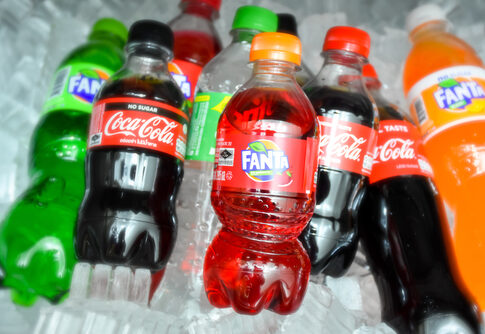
(448, 97)
(186, 75)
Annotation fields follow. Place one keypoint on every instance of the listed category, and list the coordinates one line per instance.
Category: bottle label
(448, 97)
(75, 86)
(208, 107)
(282, 164)
(186, 75)
(133, 122)
(345, 145)
(398, 152)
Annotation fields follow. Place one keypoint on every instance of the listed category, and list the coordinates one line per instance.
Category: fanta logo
(85, 85)
(394, 149)
(154, 128)
(263, 160)
(181, 79)
(344, 145)
(453, 94)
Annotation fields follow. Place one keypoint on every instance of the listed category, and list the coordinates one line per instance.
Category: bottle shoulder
(99, 53)
(436, 52)
(227, 71)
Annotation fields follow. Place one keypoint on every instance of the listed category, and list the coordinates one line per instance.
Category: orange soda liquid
(444, 82)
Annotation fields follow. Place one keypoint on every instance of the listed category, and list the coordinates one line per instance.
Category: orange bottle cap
(368, 71)
(347, 39)
(276, 46)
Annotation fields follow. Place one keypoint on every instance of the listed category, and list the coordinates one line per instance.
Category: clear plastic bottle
(219, 80)
(196, 42)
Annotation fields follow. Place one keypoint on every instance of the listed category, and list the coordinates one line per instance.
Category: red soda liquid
(195, 47)
(255, 261)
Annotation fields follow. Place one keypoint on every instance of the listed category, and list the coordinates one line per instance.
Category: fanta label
(345, 145)
(264, 162)
(398, 152)
(133, 122)
(75, 87)
(186, 75)
(448, 97)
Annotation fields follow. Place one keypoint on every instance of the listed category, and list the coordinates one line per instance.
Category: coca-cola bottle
(347, 119)
(403, 228)
(134, 166)
(287, 24)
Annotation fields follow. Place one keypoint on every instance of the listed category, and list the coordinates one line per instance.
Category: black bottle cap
(287, 24)
(151, 31)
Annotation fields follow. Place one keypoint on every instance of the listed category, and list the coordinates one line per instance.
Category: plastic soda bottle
(405, 234)
(287, 24)
(347, 118)
(36, 237)
(134, 164)
(263, 186)
(219, 80)
(196, 42)
(444, 82)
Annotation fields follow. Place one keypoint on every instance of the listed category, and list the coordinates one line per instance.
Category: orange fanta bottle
(444, 84)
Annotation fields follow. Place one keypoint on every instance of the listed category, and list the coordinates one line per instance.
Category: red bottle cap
(368, 71)
(216, 4)
(348, 39)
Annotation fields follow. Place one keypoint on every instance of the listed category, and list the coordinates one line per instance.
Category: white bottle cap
(422, 14)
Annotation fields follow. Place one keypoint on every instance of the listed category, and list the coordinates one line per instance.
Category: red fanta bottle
(264, 186)
(196, 42)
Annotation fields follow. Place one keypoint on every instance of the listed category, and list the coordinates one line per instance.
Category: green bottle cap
(111, 25)
(254, 17)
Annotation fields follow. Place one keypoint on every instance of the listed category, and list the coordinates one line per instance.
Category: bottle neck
(340, 67)
(243, 35)
(199, 9)
(147, 58)
(106, 37)
(274, 70)
(428, 29)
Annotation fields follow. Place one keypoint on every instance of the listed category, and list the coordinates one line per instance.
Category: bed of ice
(37, 34)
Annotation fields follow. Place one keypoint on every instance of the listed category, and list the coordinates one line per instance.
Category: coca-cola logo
(344, 145)
(394, 149)
(154, 128)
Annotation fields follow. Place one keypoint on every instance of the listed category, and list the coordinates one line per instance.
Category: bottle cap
(423, 14)
(216, 4)
(111, 25)
(151, 31)
(277, 46)
(254, 17)
(287, 24)
(368, 71)
(348, 39)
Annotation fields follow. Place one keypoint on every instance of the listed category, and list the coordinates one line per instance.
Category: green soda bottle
(36, 238)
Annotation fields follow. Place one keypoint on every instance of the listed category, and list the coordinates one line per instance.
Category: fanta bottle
(196, 42)
(36, 237)
(444, 83)
(263, 189)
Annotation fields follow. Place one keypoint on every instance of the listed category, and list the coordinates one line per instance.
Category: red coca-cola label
(140, 123)
(264, 162)
(398, 152)
(345, 145)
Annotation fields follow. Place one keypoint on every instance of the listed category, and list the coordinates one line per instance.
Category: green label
(208, 107)
(75, 86)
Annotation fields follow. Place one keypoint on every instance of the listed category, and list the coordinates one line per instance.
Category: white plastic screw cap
(422, 14)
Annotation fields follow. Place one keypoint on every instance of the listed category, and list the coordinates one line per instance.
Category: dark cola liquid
(331, 237)
(401, 221)
(128, 213)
